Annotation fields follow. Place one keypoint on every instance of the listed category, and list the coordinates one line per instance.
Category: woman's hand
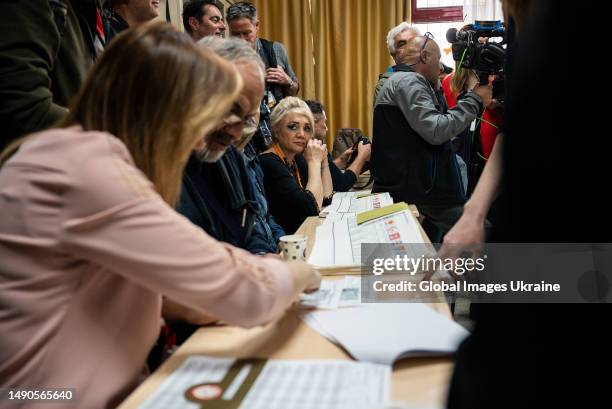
(305, 278)
(315, 151)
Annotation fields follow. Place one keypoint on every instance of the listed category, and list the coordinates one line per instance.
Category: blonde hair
(460, 79)
(160, 94)
(289, 105)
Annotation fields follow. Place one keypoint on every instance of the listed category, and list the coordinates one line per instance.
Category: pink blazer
(87, 247)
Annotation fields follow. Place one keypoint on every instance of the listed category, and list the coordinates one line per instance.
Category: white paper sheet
(351, 203)
(327, 297)
(351, 292)
(382, 333)
(334, 294)
(282, 384)
(339, 243)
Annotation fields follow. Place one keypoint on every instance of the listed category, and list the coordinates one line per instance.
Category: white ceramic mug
(293, 247)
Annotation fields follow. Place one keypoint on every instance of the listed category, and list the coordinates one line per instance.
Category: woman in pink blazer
(89, 239)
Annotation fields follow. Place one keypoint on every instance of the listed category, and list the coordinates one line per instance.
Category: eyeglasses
(239, 9)
(233, 119)
(427, 36)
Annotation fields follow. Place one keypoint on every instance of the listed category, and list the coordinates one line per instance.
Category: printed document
(202, 382)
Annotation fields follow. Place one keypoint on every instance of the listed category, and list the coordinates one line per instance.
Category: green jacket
(382, 78)
(47, 48)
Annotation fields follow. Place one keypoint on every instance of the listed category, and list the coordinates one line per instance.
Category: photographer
(412, 156)
(475, 145)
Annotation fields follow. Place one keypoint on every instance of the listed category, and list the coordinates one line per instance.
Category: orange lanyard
(293, 166)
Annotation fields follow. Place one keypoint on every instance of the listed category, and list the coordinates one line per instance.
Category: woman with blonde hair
(297, 178)
(89, 239)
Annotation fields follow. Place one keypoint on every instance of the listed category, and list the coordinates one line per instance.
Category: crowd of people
(141, 178)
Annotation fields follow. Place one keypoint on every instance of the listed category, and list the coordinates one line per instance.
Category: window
(437, 16)
(439, 32)
(436, 11)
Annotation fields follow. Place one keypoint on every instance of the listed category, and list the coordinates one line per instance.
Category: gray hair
(242, 9)
(235, 50)
(397, 30)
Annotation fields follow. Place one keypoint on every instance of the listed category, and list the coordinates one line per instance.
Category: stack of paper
(383, 333)
(338, 244)
(202, 382)
(351, 203)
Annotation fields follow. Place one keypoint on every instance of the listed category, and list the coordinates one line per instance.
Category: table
(414, 381)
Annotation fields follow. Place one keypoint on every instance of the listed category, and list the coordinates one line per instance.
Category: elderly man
(203, 18)
(221, 190)
(220, 194)
(281, 81)
(397, 38)
(412, 156)
(129, 13)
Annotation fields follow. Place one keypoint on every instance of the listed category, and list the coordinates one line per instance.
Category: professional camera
(486, 59)
(353, 156)
(263, 138)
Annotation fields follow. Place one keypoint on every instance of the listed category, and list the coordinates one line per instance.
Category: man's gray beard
(209, 156)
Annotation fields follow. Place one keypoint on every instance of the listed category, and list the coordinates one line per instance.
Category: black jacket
(46, 51)
(289, 204)
(215, 197)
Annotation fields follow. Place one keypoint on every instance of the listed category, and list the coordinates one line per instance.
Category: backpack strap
(268, 48)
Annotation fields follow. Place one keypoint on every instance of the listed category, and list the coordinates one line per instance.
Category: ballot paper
(383, 333)
(334, 294)
(336, 217)
(340, 196)
(203, 382)
(338, 244)
(357, 202)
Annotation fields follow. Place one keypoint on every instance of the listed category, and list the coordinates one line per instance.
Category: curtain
(482, 10)
(289, 22)
(350, 52)
(337, 49)
(175, 12)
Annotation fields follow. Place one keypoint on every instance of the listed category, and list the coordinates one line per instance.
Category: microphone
(451, 35)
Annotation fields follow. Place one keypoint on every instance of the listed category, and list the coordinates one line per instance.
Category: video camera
(486, 59)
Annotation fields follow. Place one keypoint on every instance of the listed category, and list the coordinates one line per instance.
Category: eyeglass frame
(428, 35)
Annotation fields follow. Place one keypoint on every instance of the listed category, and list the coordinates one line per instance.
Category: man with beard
(217, 194)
